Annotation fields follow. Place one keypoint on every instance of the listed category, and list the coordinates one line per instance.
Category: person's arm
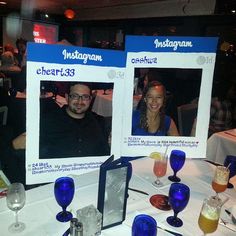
(213, 112)
(173, 131)
(193, 130)
(19, 142)
(213, 109)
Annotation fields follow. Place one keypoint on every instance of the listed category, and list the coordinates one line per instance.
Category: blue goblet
(64, 190)
(178, 198)
(230, 162)
(177, 160)
(144, 225)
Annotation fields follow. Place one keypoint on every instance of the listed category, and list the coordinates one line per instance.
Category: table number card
(113, 191)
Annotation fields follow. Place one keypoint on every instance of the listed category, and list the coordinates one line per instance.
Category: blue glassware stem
(175, 172)
(175, 215)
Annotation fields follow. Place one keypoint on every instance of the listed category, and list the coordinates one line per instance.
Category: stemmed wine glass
(159, 169)
(144, 225)
(178, 198)
(230, 162)
(177, 160)
(64, 189)
(220, 180)
(15, 202)
(209, 215)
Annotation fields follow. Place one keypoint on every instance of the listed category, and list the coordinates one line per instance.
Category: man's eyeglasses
(84, 97)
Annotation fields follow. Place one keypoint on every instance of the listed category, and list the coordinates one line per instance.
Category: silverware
(169, 231)
(138, 191)
(228, 225)
(67, 232)
(213, 163)
(223, 221)
(230, 214)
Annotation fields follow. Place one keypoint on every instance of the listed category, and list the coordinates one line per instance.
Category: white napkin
(226, 219)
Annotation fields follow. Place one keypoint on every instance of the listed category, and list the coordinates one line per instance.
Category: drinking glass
(177, 160)
(230, 162)
(220, 180)
(178, 198)
(159, 169)
(15, 202)
(64, 189)
(209, 215)
(144, 225)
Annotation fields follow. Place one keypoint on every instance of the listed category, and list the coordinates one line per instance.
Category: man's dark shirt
(64, 136)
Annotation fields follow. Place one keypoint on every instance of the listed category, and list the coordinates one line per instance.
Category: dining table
(103, 102)
(220, 145)
(39, 212)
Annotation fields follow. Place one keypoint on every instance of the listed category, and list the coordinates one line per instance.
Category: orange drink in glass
(159, 168)
(220, 180)
(159, 201)
(209, 215)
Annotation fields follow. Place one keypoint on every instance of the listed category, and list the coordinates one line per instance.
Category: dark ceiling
(36, 8)
(57, 7)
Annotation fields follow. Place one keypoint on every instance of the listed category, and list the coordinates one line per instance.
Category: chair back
(3, 115)
(6, 83)
(186, 115)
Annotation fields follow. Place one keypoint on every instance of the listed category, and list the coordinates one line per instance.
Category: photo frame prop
(185, 66)
(4, 184)
(65, 64)
(113, 191)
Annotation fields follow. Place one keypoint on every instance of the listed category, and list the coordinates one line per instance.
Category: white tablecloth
(103, 103)
(221, 144)
(39, 212)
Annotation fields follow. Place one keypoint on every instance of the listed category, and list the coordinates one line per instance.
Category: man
(21, 55)
(70, 131)
(8, 64)
(73, 130)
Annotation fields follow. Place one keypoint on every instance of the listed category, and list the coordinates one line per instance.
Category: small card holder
(113, 191)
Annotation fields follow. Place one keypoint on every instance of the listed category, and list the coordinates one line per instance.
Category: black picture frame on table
(113, 192)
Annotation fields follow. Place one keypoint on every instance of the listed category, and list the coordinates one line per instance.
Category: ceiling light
(3, 3)
(69, 13)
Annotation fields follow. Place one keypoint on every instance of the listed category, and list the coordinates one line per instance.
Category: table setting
(199, 181)
(50, 209)
(221, 144)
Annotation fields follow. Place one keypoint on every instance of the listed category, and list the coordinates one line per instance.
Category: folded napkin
(228, 225)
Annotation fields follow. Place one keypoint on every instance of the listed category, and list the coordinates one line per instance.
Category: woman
(150, 119)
